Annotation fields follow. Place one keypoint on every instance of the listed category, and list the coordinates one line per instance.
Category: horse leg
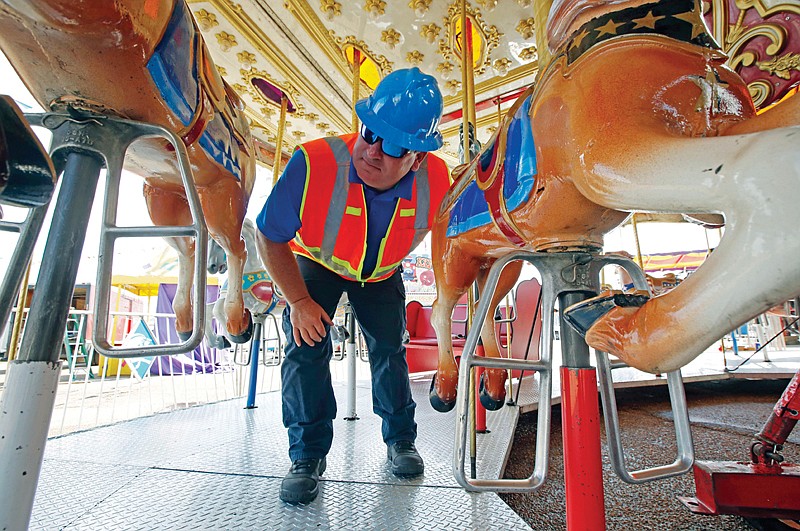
(224, 219)
(169, 208)
(454, 275)
(214, 310)
(754, 180)
(493, 381)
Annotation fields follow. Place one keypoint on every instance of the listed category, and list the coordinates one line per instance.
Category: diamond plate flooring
(219, 466)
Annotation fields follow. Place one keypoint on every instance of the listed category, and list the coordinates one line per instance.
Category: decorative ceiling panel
(300, 46)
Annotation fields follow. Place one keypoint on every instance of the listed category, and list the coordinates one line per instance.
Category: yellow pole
(356, 85)
(466, 71)
(276, 165)
(17, 327)
(470, 75)
(540, 11)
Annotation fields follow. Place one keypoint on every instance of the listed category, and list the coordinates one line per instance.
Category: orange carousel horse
(636, 111)
(147, 61)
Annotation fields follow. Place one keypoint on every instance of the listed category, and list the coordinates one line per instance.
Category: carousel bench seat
(422, 350)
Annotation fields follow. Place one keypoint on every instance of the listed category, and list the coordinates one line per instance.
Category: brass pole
(356, 85)
(464, 83)
(541, 9)
(470, 75)
(468, 116)
(276, 165)
(17, 326)
(636, 239)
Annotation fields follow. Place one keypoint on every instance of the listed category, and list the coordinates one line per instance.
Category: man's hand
(308, 317)
(308, 321)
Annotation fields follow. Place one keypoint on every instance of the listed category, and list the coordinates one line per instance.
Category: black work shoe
(405, 459)
(301, 484)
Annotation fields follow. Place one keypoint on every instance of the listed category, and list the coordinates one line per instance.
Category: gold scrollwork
(759, 91)
(491, 35)
(383, 63)
(735, 37)
(249, 75)
(781, 66)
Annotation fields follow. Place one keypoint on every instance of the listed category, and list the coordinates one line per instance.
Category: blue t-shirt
(279, 220)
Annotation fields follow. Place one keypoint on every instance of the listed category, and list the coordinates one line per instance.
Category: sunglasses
(393, 150)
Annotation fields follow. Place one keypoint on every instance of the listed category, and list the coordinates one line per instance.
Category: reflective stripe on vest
(339, 199)
(338, 207)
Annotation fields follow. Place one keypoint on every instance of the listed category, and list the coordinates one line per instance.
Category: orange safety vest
(333, 212)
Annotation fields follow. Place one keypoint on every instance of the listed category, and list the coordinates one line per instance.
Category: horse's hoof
(245, 336)
(437, 403)
(583, 315)
(221, 343)
(184, 336)
(487, 401)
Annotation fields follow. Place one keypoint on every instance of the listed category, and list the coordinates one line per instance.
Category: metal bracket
(562, 273)
(108, 139)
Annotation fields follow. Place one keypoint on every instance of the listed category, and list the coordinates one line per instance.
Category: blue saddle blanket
(172, 60)
(470, 209)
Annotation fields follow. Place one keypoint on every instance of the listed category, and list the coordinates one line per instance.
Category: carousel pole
(476, 412)
(32, 378)
(22, 299)
(276, 164)
(541, 8)
(356, 85)
(639, 260)
(349, 344)
(464, 84)
(509, 334)
(580, 411)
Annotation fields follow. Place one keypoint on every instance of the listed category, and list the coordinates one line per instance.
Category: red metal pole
(583, 470)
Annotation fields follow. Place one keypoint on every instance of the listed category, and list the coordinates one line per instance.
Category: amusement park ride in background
(298, 67)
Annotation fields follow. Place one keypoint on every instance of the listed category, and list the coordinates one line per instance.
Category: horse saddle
(27, 176)
(499, 180)
(259, 285)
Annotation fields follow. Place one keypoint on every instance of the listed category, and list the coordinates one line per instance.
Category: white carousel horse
(636, 111)
(260, 295)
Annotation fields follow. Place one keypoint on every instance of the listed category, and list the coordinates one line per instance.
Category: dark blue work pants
(309, 405)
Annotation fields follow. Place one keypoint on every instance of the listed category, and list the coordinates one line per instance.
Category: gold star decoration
(647, 21)
(579, 38)
(609, 28)
(694, 20)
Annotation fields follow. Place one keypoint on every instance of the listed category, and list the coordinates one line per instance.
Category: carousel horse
(636, 111)
(260, 295)
(147, 62)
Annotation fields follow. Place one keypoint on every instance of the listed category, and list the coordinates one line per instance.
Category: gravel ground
(723, 414)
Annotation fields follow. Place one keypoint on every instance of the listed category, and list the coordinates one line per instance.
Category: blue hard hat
(405, 110)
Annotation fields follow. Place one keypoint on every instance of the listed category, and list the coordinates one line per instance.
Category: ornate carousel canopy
(294, 62)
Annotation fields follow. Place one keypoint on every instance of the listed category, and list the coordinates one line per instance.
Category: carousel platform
(219, 466)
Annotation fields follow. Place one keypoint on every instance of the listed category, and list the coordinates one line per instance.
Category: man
(342, 217)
